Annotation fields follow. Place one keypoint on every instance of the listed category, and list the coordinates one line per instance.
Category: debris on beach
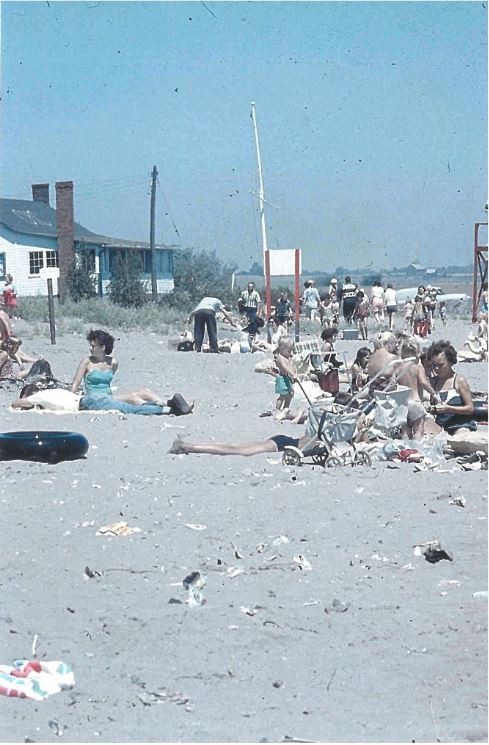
(302, 562)
(458, 501)
(432, 552)
(337, 606)
(34, 679)
(115, 529)
(193, 584)
(195, 526)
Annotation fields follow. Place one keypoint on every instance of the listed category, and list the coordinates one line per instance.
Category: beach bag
(391, 410)
(185, 346)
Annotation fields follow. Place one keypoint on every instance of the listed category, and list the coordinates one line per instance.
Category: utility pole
(154, 285)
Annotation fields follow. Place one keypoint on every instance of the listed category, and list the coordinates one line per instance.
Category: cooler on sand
(350, 334)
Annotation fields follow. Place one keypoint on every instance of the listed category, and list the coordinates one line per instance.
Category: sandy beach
(320, 623)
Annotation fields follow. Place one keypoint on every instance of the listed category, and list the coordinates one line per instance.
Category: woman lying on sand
(97, 372)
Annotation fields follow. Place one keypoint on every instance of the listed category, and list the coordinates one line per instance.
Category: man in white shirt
(204, 317)
(250, 301)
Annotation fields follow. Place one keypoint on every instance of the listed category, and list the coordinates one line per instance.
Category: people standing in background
(377, 297)
(250, 301)
(442, 309)
(390, 300)
(349, 299)
(419, 320)
(311, 299)
(283, 310)
(335, 300)
(484, 297)
(430, 307)
(9, 295)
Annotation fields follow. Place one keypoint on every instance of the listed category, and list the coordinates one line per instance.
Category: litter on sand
(193, 584)
(121, 528)
(35, 680)
(432, 552)
(195, 526)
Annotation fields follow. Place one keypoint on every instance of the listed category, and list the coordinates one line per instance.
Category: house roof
(38, 218)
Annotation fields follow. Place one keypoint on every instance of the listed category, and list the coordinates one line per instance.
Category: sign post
(284, 263)
(50, 273)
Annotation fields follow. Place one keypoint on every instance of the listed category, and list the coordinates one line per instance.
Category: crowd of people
(438, 396)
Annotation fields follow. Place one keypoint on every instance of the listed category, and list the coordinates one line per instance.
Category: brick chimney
(66, 233)
(40, 193)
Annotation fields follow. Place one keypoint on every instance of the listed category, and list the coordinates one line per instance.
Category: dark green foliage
(369, 279)
(197, 275)
(126, 287)
(80, 280)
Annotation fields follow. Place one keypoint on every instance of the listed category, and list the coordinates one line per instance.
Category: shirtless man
(384, 353)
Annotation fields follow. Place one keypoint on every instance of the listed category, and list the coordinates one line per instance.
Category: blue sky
(372, 121)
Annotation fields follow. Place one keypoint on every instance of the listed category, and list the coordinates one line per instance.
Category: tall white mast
(261, 195)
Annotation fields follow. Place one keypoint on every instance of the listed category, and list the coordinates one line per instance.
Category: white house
(32, 234)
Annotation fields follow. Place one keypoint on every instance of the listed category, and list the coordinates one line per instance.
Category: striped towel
(34, 679)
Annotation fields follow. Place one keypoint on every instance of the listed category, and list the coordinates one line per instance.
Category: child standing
(284, 381)
(361, 313)
(443, 312)
(408, 314)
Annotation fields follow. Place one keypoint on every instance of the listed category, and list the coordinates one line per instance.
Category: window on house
(51, 259)
(36, 261)
(2, 266)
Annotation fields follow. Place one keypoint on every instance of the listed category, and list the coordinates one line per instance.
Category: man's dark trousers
(205, 319)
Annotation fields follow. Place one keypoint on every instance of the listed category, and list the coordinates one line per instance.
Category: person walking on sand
(390, 299)
(204, 317)
(377, 297)
(311, 299)
(349, 299)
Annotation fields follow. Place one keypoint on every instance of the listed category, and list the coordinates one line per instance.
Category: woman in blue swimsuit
(97, 372)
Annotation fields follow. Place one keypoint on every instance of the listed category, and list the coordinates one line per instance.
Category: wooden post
(52, 326)
(154, 284)
(297, 293)
(268, 294)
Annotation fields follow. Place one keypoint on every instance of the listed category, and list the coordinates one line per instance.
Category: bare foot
(178, 447)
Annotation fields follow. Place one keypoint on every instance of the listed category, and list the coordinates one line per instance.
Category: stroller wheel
(291, 456)
(320, 458)
(362, 459)
(332, 462)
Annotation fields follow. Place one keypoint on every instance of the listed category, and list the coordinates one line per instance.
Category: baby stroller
(332, 428)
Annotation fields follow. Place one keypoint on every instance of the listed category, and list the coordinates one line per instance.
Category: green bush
(197, 275)
(80, 280)
(126, 288)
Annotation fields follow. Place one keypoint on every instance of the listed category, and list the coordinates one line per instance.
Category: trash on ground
(458, 501)
(234, 571)
(302, 562)
(195, 526)
(432, 552)
(480, 594)
(91, 573)
(120, 528)
(193, 584)
(35, 680)
(57, 729)
(337, 606)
